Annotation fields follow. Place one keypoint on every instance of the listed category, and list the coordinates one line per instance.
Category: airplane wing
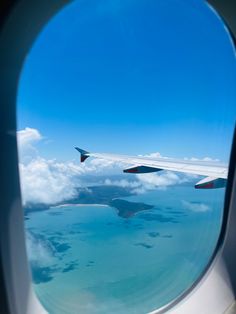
(216, 174)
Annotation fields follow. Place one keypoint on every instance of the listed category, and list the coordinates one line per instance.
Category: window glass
(154, 79)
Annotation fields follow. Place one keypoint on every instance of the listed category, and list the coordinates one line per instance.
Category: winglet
(83, 154)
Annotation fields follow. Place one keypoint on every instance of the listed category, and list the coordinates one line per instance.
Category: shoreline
(79, 205)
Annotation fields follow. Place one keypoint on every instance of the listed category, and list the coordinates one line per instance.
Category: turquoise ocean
(88, 259)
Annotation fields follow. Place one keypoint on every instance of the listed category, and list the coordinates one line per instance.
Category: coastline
(79, 205)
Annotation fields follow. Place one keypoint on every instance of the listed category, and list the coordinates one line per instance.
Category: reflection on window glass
(148, 78)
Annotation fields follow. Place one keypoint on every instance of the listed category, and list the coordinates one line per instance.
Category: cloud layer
(48, 181)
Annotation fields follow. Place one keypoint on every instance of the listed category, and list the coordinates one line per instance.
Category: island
(127, 209)
(103, 195)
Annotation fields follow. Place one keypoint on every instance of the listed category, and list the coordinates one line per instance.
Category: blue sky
(131, 77)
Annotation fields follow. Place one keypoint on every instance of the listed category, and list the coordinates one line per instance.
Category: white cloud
(161, 179)
(196, 206)
(39, 250)
(154, 155)
(104, 167)
(44, 181)
(122, 183)
(48, 181)
(149, 181)
(28, 136)
(194, 159)
(158, 155)
(209, 159)
(27, 139)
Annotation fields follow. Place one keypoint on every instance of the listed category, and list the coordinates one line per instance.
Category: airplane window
(145, 91)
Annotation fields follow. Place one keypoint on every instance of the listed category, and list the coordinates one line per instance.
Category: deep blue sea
(87, 259)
